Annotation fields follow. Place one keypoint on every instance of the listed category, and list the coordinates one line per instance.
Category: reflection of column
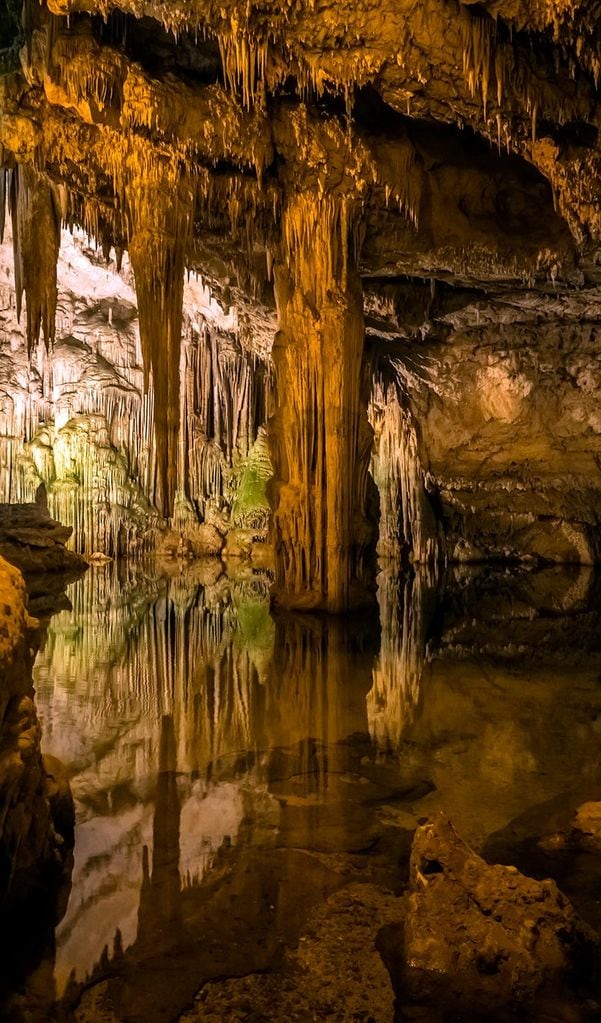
(406, 610)
(321, 674)
(160, 904)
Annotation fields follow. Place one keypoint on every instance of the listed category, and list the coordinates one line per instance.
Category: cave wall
(29, 841)
(490, 409)
(78, 419)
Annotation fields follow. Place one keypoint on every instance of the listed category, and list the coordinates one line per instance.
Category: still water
(238, 776)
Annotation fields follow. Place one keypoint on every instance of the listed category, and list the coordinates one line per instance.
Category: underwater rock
(324, 978)
(480, 940)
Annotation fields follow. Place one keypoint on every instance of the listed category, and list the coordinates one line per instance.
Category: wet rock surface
(485, 942)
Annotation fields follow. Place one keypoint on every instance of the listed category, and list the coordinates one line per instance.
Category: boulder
(480, 941)
(207, 540)
(34, 542)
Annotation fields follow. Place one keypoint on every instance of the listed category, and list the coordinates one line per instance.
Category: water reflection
(232, 770)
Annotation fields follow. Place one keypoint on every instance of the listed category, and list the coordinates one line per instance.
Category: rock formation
(34, 543)
(404, 197)
(482, 941)
(36, 808)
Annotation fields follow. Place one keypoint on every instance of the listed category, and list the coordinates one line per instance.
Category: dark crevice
(146, 42)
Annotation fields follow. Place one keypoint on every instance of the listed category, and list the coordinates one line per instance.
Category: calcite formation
(350, 178)
(78, 420)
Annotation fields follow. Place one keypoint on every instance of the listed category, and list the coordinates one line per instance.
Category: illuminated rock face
(78, 420)
(317, 437)
(487, 436)
(302, 161)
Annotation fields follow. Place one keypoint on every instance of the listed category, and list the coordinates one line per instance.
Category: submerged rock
(480, 941)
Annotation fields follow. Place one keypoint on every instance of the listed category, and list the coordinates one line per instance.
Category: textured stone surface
(334, 974)
(481, 939)
(28, 840)
(35, 543)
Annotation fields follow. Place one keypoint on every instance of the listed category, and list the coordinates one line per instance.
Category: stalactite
(479, 48)
(36, 241)
(244, 61)
(408, 527)
(315, 434)
(4, 180)
(161, 226)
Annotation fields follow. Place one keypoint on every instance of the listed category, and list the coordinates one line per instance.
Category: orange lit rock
(315, 437)
(482, 940)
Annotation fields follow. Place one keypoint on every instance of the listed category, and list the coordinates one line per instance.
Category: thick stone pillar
(318, 435)
(161, 215)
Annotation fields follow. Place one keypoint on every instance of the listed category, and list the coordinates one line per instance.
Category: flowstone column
(320, 434)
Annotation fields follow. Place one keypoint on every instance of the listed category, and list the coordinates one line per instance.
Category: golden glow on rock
(292, 134)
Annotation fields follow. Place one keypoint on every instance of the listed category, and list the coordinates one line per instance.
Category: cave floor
(246, 788)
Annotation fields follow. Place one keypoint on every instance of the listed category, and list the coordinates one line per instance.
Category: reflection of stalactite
(315, 434)
(166, 672)
(160, 904)
(155, 647)
(405, 618)
(36, 239)
(408, 526)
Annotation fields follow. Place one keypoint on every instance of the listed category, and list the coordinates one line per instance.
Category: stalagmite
(316, 435)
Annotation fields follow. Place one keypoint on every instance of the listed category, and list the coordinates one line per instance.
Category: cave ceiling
(468, 133)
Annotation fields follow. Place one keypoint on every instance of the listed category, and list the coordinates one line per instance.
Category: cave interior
(300, 465)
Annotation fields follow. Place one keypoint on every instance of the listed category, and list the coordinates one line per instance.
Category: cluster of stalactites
(408, 526)
(327, 225)
(36, 229)
(493, 64)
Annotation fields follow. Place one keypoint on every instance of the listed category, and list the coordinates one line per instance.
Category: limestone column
(317, 435)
